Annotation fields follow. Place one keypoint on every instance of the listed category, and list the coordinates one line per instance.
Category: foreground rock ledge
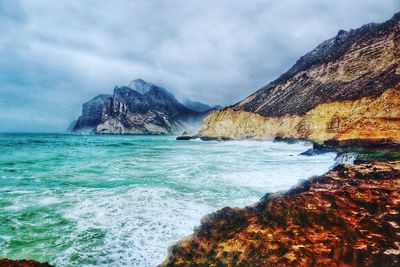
(22, 263)
(350, 216)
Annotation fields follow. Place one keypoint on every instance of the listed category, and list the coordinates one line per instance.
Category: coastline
(202, 178)
(22, 263)
(299, 167)
(364, 159)
(347, 216)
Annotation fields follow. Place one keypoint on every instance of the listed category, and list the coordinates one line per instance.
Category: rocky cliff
(348, 217)
(345, 91)
(140, 108)
(327, 93)
(369, 118)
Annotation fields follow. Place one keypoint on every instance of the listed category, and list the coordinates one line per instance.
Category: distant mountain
(139, 108)
(200, 107)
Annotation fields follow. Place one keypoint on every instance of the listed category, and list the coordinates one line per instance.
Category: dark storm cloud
(54, 55)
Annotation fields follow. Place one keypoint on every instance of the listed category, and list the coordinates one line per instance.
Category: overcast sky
(55, 55)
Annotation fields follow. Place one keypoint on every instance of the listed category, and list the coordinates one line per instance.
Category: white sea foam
(140, 222)
(123, 205)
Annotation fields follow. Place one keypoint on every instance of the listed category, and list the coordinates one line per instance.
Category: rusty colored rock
(347, 217)
(22, 263)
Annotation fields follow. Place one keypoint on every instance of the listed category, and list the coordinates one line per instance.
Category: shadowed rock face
(348, 217)
(22, 263)
(351, 65)
(141, 108)
(92, 112)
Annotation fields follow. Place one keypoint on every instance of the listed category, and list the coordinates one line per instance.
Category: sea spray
(123, 200)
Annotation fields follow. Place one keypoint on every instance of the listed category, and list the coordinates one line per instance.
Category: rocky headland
(343, 94)
(345, 97)
(139, 108)
(347, 217)
(346, 88)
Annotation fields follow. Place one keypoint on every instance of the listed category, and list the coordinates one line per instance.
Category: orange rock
(354, 221)
(22, 263)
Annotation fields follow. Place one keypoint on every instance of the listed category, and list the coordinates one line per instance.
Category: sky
(55, 55)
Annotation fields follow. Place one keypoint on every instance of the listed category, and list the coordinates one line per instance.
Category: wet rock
(318, 151)
(206, 138)
(22, 263)
(186, 137)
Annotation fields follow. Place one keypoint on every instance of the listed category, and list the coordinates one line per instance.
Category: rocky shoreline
(348, 217)
(22, 263)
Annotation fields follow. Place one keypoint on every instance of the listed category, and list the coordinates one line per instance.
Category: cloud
(54, 55)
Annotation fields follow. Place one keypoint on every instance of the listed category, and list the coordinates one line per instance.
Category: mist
(55, 55)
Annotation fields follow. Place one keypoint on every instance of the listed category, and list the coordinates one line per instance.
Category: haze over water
(123, 200)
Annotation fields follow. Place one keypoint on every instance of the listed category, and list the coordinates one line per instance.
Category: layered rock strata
(368, 118)
(346, 88)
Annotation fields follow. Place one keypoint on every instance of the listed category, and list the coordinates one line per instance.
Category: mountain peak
(139, 108)
(371, 59)
(140, 86)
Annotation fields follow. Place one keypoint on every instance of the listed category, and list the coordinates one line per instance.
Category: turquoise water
(123, 200)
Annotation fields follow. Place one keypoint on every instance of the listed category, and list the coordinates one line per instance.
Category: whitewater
(76, 200)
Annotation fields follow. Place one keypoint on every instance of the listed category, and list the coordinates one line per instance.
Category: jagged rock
(186, 137)
(347, 217)
(140, 108)
(93, 113)
(319, 151)
(22, 263)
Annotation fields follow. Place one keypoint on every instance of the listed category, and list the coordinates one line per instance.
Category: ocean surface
(123, 200)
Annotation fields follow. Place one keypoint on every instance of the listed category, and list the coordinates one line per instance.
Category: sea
(113, 200)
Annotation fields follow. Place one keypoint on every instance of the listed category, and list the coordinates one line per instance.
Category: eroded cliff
(346, 88)
(348, 217)
(140, 108)
(371, 118)
(354, 64)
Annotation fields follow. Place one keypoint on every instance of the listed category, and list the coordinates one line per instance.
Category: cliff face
(370, 118)
(348, 217)
(335, 81)
(140, 108)
(352, 65)
(92, 113)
